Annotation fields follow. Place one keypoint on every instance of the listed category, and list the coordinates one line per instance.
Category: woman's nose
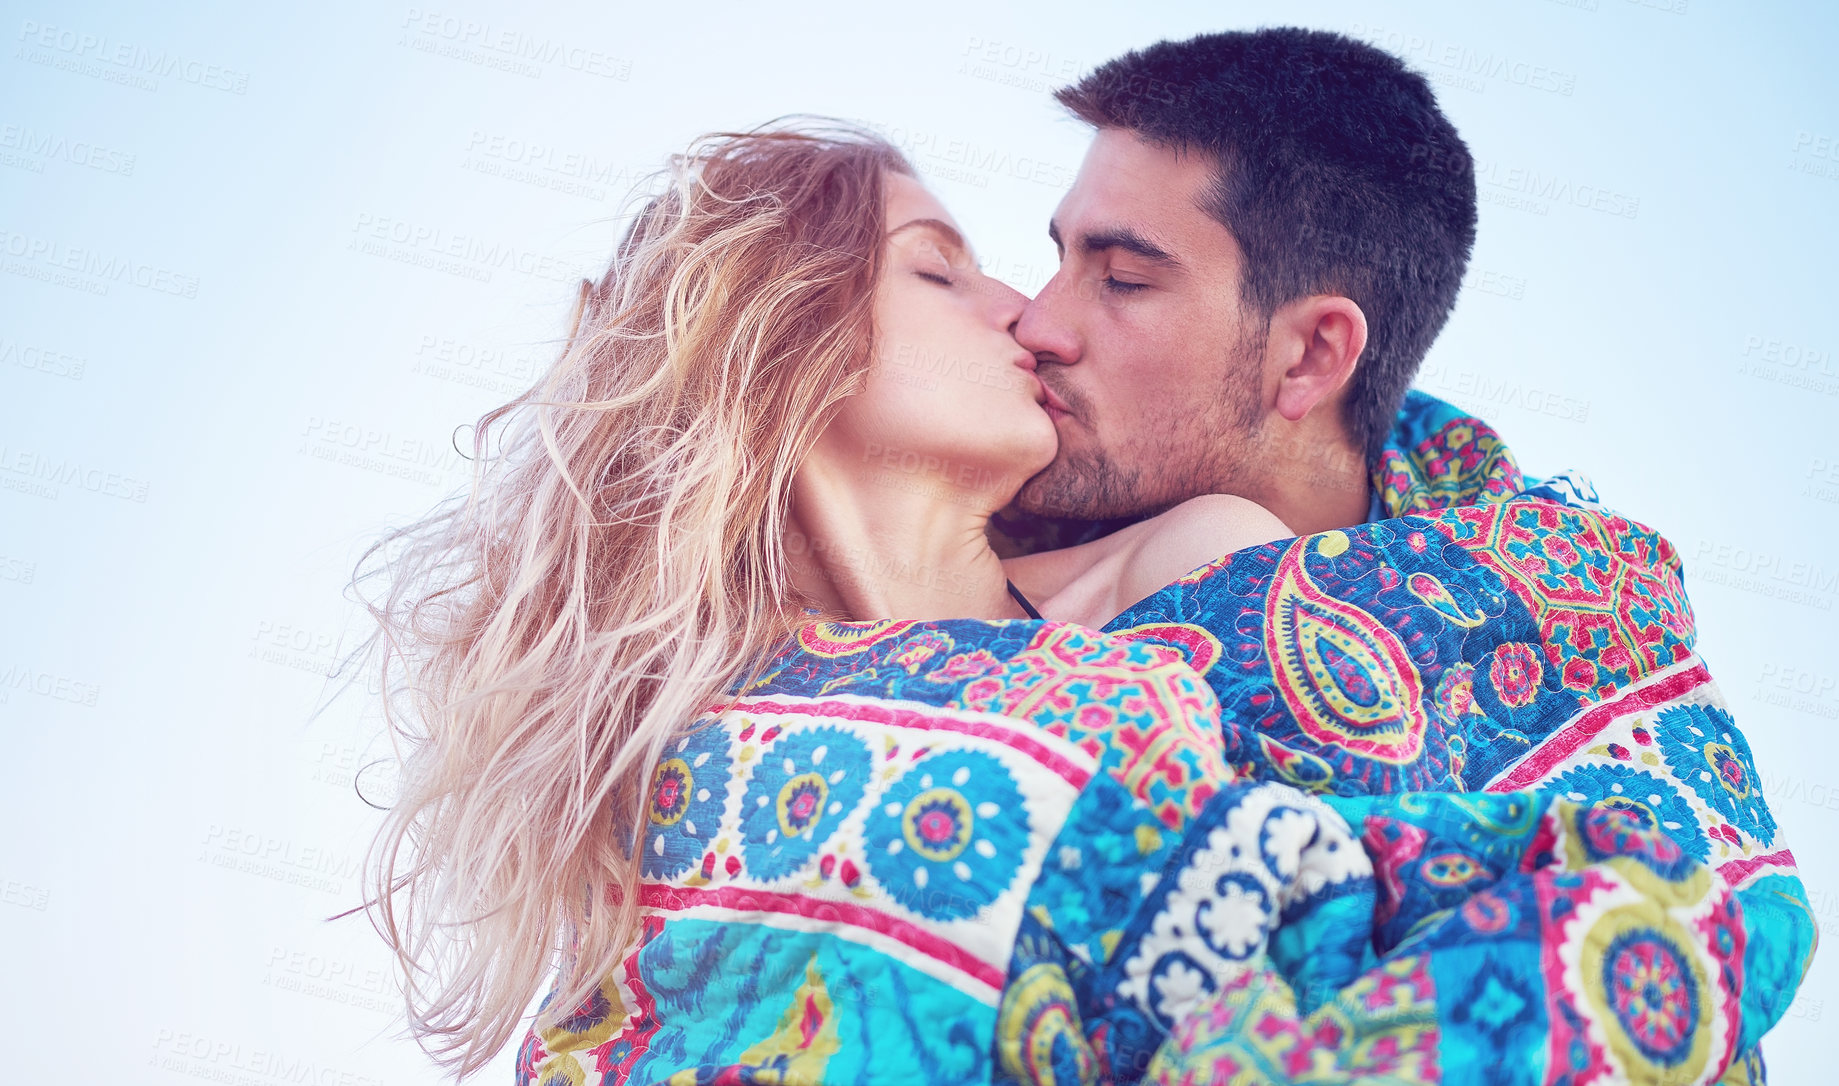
(1007, 303)
(1042, 329)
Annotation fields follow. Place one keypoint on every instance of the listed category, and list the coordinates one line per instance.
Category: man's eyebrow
(1118, 237)
(944, 229)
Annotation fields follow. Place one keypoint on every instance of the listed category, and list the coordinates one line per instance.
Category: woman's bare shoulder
(1096, 581)
(1206, 514)
(1055, 567)
(1194, 533)
(1077, 583)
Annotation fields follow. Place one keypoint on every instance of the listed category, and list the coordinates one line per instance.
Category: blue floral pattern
(689, 788)
(1705, 750)
(939, 852)
(802, 789)
(1639, 797)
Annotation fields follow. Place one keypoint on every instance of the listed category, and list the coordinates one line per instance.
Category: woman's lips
(1054, 406)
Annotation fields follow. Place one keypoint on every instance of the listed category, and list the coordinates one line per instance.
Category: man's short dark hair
(1338, 174)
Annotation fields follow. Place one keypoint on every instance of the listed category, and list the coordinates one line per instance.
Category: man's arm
(1526, 646)
(1668, 752)
(1521, 938)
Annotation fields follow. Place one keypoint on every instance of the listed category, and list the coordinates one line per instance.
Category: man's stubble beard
(1208, 448)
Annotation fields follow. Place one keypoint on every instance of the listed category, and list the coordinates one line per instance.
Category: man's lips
(1056, 407)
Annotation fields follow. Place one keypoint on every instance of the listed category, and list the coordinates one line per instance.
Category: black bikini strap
(1021, 599)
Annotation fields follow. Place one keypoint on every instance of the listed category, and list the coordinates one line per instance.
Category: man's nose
(1044, 327)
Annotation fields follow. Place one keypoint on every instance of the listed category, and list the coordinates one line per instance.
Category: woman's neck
(868, 546)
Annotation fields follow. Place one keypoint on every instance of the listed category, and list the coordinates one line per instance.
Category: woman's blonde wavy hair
(615, 571)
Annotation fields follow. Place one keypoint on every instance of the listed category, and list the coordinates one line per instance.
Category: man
(1268, 232)
(1242, 233)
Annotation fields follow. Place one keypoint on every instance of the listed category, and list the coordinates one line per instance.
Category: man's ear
(1318, 341)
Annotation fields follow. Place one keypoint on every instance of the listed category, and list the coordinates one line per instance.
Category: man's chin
(1042, 519)
(1060, 493)
(1044, 495)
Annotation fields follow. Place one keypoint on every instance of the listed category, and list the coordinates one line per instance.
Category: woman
(742, 530)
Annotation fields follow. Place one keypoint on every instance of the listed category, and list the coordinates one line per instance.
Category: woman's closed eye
(934, 251)
(934, 264)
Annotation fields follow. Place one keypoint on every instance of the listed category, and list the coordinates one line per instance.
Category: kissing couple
(849, 669)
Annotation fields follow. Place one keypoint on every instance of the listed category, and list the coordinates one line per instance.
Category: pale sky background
(179, 509)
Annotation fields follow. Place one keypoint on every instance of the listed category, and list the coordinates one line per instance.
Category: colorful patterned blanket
(956, 852)
(1445, 797)
(1639, 920)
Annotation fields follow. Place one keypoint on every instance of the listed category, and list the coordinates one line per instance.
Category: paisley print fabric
(1446, 797)
(1604, 895)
